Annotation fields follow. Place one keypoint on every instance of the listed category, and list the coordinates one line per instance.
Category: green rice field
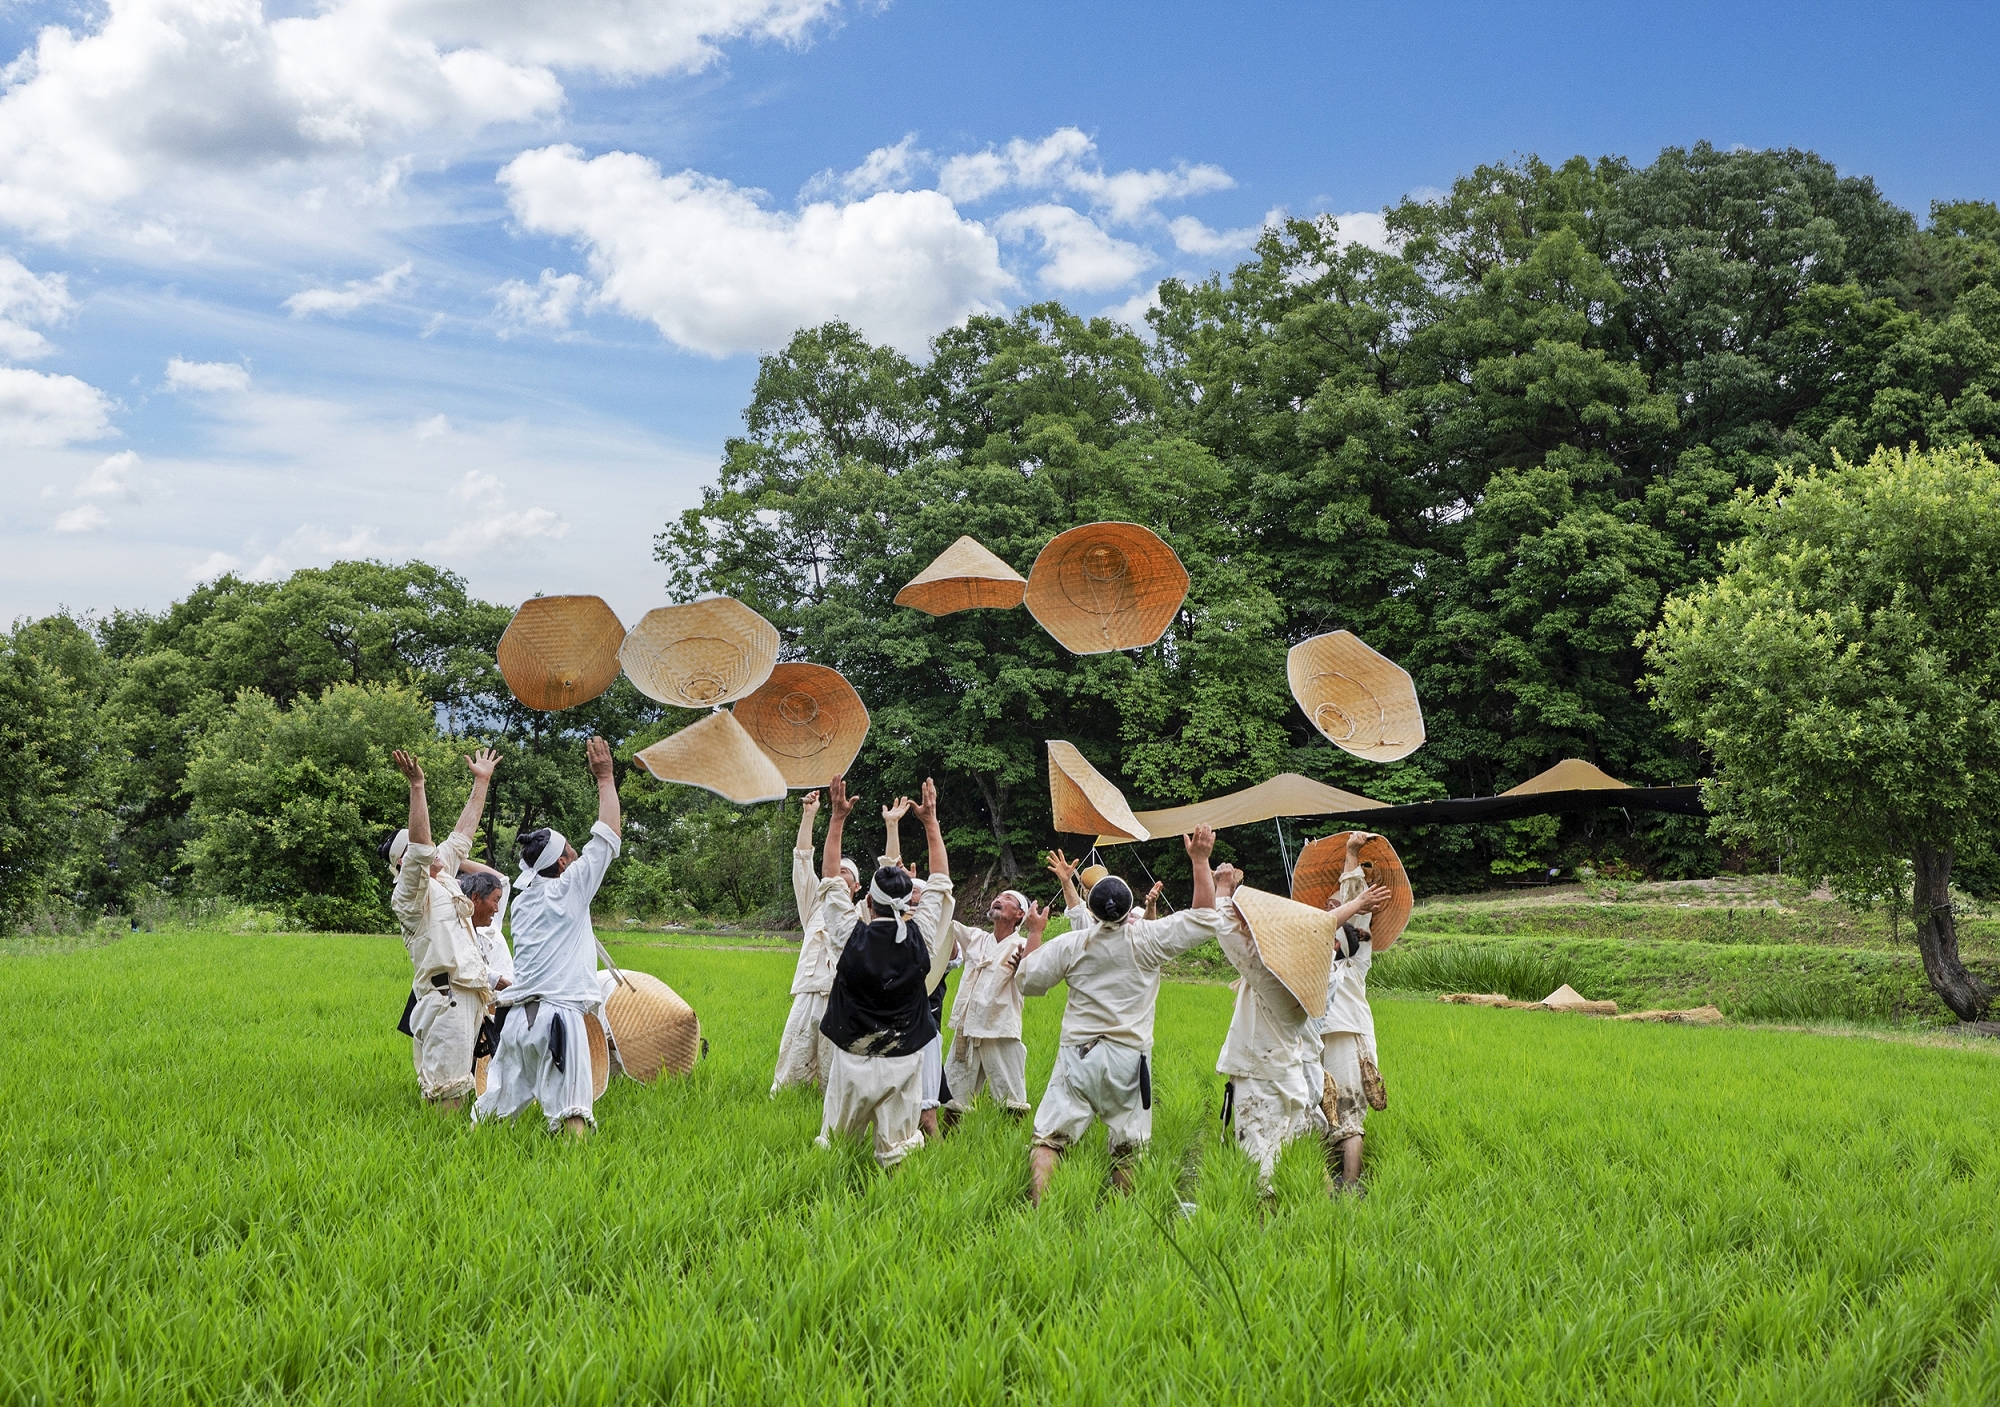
(217, 1184)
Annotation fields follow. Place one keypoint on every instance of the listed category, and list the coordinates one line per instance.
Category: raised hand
(811, 803)
(1061, 866)
(1200, 842)
(927, 808)
(408, 765)
(599, 753)
(482, 764)
(842, 802)
(1376, 898)
(896, 810)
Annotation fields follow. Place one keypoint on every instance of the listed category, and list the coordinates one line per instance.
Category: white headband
(898, 906)
(1017, 896)
(551, 852)
(398, 846)
(851, 868)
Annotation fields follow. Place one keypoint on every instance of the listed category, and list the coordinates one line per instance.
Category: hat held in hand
(655, 1029)
(964, 577)
(1084, 801)
(715, 753)
(560, 651)
(1363, 702)
(808, 720)
(701, 654)
(1106, 586)
(1296, 941)
(1316, 879)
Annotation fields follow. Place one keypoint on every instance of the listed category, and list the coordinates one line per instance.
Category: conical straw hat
(600, 1056)
(1295, 940)
(1106, 586)
(964, 577)
(1084, 800)
(1365, 703)
(717, 754)
(702, 654)
(654, 1028)
(1316, 878)
(560, 651)
(808, 720)
(1087, 877)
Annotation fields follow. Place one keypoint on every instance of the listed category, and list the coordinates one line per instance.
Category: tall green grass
(216, 1183)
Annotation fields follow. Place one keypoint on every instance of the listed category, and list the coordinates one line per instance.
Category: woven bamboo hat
(654, 1028)
(600, 1056)
(1084, 800)
(716, 753)
(702, 654)
(1106, 586)
(964, 577)
(808, 720)
(560, 651)
(1087, 877)
(1365, 703)
(1316, 878)
(1296, 942)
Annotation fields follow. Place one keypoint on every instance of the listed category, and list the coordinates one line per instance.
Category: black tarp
(1679, 801)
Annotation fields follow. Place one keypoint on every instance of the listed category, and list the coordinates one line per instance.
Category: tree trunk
(995, 794)
(1937, 936)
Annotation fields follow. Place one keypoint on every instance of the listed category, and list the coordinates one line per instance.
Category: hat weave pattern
(1361, 701)
(655, 1029)
(560, 651)
(1316, 879)
(701, 654)
(808, 720)
(965, 577)
(1106, 586)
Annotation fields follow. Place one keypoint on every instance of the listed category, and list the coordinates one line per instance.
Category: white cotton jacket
(1268, 1026)
(437, 919)
(814, 974)
(1347, 985)
(988, 1005)
(1113, 971)
(555, 948)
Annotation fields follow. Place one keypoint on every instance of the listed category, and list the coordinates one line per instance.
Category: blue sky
(484, 281)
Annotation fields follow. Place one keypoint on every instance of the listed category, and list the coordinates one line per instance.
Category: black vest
(878, 1005)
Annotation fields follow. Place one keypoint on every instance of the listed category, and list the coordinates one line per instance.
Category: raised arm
(482, 764)
(608, 810)
(420, 807)
(808, 812)
(892, 825)
(1033, 926)
(1200, 845)
(933, 836)
(1064, 869)
(1368, 901)
(836, 821)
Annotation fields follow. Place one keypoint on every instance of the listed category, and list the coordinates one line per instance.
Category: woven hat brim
(600, 1056)
(965, 576)
(560, 651)
(1316, 878)
(1358, 699)
(1124, 602)
(716, 754)
(657, 1031)
(808, 721)
(1295, 941)
(700, 655)
(1083, 800)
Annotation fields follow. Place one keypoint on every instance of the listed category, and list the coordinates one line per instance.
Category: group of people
(867, 1020)
(868, 989)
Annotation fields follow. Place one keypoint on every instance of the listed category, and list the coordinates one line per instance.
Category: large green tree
(1843, 672)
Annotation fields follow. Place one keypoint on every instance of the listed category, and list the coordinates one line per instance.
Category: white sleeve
(1050, 963)
(454, 850)
(411, 900)
(1156, 942)
(805, 884)
(587, 871)
(836, 907)
(934, 917)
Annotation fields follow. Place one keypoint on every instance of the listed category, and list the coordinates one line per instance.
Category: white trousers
(1343, 1102)
(933, 1087)
(996, 1063)
(803, 1053)
(523, 1073)
(882, 1092)
(1269, 1114)
(1097, 1081)
(444, 1027)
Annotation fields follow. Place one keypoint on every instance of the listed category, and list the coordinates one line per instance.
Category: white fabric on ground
(1268, 1024)
(436, 917)
(1271, 1113)
(444, 1027)
(1113, 971)
(555, 949)
(930, 1093)
(521, 1072)
(1340, 1058)
(989, 997)
(996, 1063)
(803, 1053)
(1098, 1081)
(878, 1092)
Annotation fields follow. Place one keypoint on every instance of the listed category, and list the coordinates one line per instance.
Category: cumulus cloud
(213, 565)
(38, 409)
(1080, 257)
(27, 298)
(196, 98)
(111, 479)
(185, 375)
(547, 304)
(717, 271)
(1066, 159)
(1366, 228)
(87, 519)
(357, 293)
(883, 169)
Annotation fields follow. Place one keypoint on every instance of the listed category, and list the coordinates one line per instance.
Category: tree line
(1494, 453)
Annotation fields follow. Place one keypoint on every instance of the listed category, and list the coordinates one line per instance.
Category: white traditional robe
(437, 933)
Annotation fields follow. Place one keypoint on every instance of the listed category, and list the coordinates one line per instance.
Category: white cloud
(40, 409)
(883, 169)
(716, 271)
(213, 565)
(27, 298)
(358, 293)
(545, 304)
(1368, 229)
(185, 375)
(1191, 236)
(1065, 160)
(86, 519)
(202, 103)
(1081, 257)
(112, 478)
(1132, 312)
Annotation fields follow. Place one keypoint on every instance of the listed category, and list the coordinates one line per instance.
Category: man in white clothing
(803, 1053)
(487, 889)
(878, 1015)
(449, 984)
(543, 1054)
(1347, 1026)
(1271, 1054)
(1111, 959)
(986, 1046)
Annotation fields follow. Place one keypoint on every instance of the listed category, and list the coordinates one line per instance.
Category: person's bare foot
(577, 1126)
(1041, 1163)
(928, 1122)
